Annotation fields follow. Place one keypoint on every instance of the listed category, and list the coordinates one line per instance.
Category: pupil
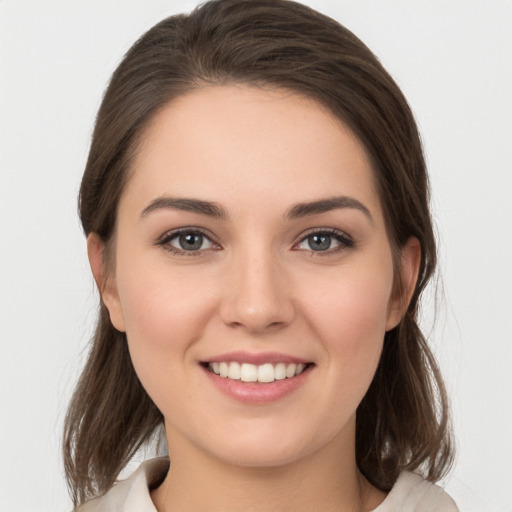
(191, 241)
(319, 242)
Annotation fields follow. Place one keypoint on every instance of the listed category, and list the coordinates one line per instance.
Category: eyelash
(344, 241)
(165, 241)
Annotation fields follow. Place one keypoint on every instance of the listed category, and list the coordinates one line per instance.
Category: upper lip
(256, 358)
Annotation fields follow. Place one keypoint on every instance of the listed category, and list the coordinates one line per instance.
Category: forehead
(236, 141)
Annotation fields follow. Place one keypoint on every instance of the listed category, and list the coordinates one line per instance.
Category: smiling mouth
(264, 373)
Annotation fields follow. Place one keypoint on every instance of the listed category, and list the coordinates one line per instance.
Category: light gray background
(453, 60)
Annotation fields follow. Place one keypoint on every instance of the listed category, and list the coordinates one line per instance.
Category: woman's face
(250, 241)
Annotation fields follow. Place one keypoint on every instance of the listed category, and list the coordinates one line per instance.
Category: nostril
(256, 302)
(253, 324)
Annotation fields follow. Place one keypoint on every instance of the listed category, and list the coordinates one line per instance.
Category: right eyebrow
(199, 206)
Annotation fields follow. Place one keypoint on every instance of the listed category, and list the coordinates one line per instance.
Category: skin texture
(255, 285)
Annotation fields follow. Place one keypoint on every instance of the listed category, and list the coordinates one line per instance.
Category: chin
(259, 457)
(275, 449)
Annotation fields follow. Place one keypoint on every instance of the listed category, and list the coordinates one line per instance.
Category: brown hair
(402, 422)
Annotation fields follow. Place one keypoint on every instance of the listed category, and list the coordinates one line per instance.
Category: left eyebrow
(325, 205)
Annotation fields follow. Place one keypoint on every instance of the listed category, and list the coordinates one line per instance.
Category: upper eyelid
(171, 233)
(165, 242)
(344, 239)
(326, 230)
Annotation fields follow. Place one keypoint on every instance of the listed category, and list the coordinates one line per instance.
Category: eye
(186, 241)
(325, 241)
(189, 241)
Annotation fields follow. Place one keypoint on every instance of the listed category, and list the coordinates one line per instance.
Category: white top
(410, 494)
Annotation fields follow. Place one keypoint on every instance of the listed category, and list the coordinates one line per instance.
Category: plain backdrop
(453, 60)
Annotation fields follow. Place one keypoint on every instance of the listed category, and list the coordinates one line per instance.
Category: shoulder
(412, 493)
(132, 494)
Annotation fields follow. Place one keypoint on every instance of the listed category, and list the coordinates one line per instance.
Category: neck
(327, 480)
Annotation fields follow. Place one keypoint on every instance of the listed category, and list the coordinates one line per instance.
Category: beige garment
(410, 494)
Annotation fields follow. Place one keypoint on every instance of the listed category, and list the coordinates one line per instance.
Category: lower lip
(257, 392)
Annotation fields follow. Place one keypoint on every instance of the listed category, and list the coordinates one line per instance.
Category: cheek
(349, 317)
(159, 301)
(165, 312)
(353, 301)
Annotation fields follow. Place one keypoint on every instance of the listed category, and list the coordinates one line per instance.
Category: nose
(257, 295)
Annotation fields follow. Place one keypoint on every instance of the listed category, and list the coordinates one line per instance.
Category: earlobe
(105, 281)
(410, 258)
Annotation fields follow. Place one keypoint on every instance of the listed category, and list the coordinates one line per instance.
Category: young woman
(256, 209)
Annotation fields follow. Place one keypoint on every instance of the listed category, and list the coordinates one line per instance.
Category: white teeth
(256, 373)
(248, 373)
(280, 371)
(223, 369)
(290, 370)
(266, 373)
(234, 371)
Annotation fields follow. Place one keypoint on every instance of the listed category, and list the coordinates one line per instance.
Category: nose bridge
(257, 296)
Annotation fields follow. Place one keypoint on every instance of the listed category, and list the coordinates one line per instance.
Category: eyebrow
(199, 206)
(325, 205)
(212, 209)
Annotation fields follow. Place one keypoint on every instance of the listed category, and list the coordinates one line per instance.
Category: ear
(105, 281)
(410, 257)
